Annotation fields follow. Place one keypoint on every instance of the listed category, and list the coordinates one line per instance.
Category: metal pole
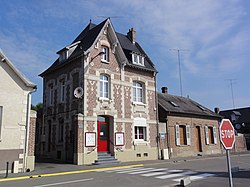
(7, 170)
(178, 51)
(229, 168)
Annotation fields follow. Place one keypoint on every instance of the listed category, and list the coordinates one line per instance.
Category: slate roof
(87, 38)
(244, 114)
(182, 105)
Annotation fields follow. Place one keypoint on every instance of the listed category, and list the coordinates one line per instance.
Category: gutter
(157, 120)
(25, 152)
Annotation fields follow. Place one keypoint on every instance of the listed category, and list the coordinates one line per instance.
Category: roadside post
(227, 138)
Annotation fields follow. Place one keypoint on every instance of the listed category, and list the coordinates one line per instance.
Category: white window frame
(137, 59)
(140, 123)
(214, 132)
(188, 135)
(138, 88)
(105, 56)
(62, 91)
(1, 120)
(104, 86)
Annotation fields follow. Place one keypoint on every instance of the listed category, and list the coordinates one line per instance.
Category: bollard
(7, 170)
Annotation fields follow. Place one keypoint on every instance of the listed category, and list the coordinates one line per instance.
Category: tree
(37, 107)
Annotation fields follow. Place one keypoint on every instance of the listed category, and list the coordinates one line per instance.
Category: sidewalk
(48, 166)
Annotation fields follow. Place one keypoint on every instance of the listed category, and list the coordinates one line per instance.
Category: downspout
(27, 127)
(157, 119)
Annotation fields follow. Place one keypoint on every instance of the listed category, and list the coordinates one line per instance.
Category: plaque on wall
(90, 139)
(119, 138)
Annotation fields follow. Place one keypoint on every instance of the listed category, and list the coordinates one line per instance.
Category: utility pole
(231, 86)
(179, 63)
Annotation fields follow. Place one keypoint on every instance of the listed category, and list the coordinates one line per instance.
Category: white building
(16, 141)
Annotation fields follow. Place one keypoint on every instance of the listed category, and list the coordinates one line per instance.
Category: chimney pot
(164, 90)
(132, 35)
(217, 110)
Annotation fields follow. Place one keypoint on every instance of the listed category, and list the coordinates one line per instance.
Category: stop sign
(227, 136)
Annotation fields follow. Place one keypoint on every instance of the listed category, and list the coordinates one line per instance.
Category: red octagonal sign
(227, 136)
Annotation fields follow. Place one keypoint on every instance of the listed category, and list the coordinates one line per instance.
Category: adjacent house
(17, 121)
(187, 128)
(99, 99)
(240, 118)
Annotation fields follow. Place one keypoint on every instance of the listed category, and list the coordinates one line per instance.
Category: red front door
(103, 137)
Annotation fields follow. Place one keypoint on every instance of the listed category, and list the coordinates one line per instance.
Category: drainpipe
(27, 127)
(157, 119)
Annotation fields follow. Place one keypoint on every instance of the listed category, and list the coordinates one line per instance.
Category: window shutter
(177, 134)
(215, 135)
(188, 135)
(206, 135)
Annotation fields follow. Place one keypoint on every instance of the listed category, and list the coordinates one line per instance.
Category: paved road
(210, 171)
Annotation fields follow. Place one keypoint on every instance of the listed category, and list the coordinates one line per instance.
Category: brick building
(99, 97)
(186, 127)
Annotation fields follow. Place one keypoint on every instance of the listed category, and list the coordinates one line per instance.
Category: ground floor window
(182, 134)
(210, 135)
(140, 129)
(140, 133)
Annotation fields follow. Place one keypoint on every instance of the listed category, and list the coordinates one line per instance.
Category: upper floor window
(51, 95)
(63, 55)
(62, 91)
(1, 119)
(105, 55)
(138, 92)
(138, 59)
(104, 86)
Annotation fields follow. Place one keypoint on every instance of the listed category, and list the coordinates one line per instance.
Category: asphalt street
(202, 171)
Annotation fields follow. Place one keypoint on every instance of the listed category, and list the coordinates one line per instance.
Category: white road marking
(67, 182)
(134, 170)
(197, 177)
(161, 173)
(150, 170)
(121, 169)
(176, 175)
(154, 174)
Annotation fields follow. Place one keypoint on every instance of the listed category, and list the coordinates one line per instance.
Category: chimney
(164, 90)
(132, 35)
(217, 110)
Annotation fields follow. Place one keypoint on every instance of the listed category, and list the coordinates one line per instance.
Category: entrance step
(105, 158)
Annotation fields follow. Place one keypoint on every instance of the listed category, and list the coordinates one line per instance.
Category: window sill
(141, 142)
(103, 99)
(138, 103)
(183, 145)
(105, 61)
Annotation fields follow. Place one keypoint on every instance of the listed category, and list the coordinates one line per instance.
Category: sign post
(227, 138)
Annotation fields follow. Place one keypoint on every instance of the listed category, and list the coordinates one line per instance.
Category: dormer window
(105, 54)
(63, 55)
(138, 59)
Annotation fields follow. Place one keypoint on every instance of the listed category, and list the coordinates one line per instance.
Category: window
(63, 55)
(138, 92)
(62, 91)
(140, 133)
(51, 95)
(105, 55)
(61, 130)
(138, 59)
(182, 134)
(210, 135)
(140, 127)
(174, 104)
(104, 86)
(1, 119)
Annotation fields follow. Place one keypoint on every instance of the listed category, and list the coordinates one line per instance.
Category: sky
(213, 39)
